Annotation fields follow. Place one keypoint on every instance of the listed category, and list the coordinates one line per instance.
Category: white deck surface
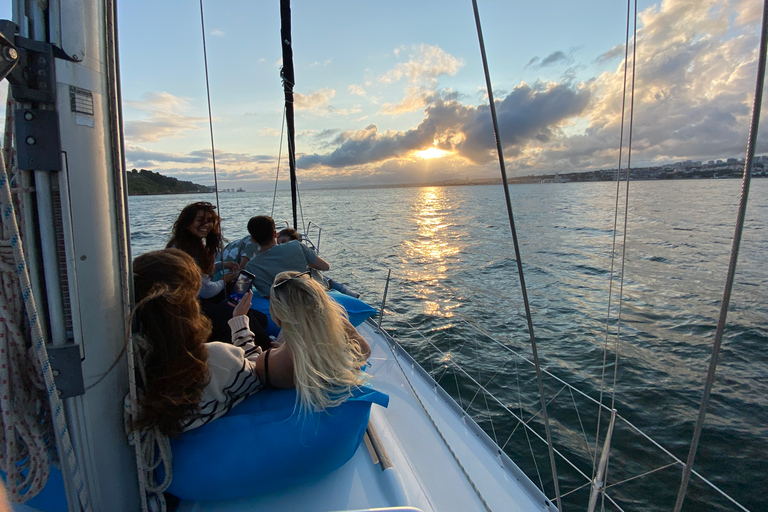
(432, 479)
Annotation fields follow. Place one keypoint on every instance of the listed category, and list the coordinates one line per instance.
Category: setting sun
(431, 153)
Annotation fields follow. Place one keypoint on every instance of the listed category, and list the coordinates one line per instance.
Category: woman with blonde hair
(319, 352)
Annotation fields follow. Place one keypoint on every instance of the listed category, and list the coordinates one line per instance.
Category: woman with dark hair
(197, 232)
(186, 381)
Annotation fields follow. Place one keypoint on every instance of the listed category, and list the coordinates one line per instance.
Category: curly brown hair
(167, 315)
(181, 238)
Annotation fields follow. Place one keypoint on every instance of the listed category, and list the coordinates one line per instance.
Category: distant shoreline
(639, 174)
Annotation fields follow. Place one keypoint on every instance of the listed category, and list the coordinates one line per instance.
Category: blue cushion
(357, 310)
(52, 498)
(263, 445)
(261, 305)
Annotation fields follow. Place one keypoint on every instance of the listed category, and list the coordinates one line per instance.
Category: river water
(454, 278)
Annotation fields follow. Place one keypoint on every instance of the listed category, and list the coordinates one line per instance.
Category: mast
(74, 155)
(287, 76)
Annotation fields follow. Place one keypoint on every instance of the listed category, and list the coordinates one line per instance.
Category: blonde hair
(326, 365)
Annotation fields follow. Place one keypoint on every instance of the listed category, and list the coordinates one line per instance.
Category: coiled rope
(152, 448)
(27, 434)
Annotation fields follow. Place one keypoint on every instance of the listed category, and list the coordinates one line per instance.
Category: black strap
(266, 368)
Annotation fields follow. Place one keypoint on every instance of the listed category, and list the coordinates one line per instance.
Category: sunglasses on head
(305, 273)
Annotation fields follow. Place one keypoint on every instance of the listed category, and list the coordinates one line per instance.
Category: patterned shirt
(233, 374)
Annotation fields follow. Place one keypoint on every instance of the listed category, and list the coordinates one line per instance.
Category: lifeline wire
(517, 254)
(732, 263)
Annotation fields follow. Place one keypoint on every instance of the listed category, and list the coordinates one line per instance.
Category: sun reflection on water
(435, 241)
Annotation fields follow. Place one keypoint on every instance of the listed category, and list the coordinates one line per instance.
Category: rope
(518, 259)
(151, 447)
(210, 115)
(25, 449)
(733, 260)
(18, 423)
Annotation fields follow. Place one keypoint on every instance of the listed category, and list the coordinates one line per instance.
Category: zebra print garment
(233, 374)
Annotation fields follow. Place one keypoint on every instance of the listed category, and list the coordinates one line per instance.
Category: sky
(394, 92)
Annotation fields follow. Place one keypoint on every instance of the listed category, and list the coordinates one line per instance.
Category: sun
(431, 153)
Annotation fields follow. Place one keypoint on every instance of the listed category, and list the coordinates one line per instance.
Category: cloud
(315, 100)
(141, 157)
(166, 118)
(218, 33)
(554, 58)
(318, 102)
(426, 63)
(696, 64)
(526, 114)
(613, 53)
(356, 90)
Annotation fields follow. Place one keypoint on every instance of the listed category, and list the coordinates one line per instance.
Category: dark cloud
(553, 58)
(613, 53)
(557, 57)
(140, 157)
(526, 114)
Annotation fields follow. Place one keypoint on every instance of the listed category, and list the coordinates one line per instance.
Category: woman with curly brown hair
(185, 381)
(197, 232)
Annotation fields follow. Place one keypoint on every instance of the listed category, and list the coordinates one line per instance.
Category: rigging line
(519, 419)
(517, 252)
(617, 348)
(613, 502)
(301, 209)
(581, 424)
(210, 115)
(641, 475)
(733, 259)
(626, 213)
(523, 422)
(506, 408)
(279, 158)
(525, 431)
(393, 346)
(613, 245)
(576, 489)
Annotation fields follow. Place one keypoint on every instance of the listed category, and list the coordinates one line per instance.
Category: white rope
(25, 433)
(16, 371)
(152, 448)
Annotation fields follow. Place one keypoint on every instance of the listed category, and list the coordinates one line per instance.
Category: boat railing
(482, 381)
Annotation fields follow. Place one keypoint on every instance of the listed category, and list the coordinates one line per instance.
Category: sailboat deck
(442, 460)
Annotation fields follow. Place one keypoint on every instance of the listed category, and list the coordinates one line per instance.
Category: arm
(355, 338)
(226, 265)
(319, 264)
(242, 336)
(313, 260)
(244, 261)
(210, 288)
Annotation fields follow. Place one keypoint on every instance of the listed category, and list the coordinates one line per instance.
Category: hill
(143, 183)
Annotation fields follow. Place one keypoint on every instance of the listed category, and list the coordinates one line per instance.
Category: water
(454, 277)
